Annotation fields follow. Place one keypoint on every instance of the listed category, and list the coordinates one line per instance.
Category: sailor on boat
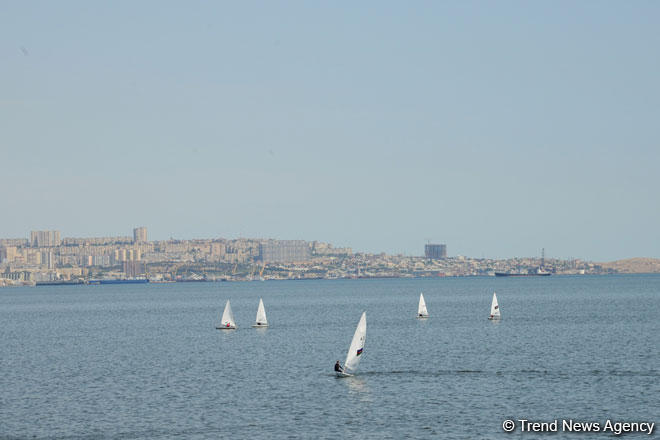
(338, 368)
(494, 308)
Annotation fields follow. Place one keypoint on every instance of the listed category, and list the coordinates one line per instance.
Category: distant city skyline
(37, 238)
(497, 129)
(48, 259)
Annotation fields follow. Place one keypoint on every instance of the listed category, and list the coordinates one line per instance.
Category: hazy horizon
(412, 254)
(495, 128)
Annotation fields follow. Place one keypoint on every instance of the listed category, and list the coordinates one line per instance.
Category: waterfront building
(119, 256)
(133, 269)
(326, 249)
(7, 254)
(435, 251)
(48, 259)
(284, 251)
(33, 257)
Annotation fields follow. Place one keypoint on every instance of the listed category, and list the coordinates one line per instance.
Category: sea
(146, 361)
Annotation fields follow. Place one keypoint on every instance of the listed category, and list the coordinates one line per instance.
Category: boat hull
(60, 283)
(342, 374)
(127, 281)
(226, 328)
(507, 274)
(259, 325)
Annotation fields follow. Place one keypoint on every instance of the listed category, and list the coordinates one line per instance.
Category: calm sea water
(145, 361)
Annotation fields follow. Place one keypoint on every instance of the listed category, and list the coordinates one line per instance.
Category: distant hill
(634, 265)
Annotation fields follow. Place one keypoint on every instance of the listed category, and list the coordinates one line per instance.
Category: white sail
(227, 318)
(494, 309)
(421, 310)
(261, 320)
(357, 346)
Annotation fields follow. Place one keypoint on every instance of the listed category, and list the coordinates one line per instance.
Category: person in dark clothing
(338, 368)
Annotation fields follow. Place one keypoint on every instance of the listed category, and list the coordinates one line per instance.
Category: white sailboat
(261, 320)
(495, 309)
(421, 309)
(355, 350)
(227, 322)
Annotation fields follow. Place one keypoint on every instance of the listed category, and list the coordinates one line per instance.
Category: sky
(498, 128)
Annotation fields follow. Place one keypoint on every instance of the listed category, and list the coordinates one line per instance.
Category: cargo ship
(120, 281)
(80, 282)
(61, 283)
(537, 273)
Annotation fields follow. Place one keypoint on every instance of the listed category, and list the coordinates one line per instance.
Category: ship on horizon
(539, 272)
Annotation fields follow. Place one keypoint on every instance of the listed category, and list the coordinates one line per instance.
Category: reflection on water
(359, 387)
(357, 384)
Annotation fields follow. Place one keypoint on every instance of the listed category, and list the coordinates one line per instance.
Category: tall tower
(140, 235)
(435, 251)
(542, 257)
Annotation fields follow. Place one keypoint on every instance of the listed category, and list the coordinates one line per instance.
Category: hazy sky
(497, 128)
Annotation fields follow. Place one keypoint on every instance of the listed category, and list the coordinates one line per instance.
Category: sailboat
(355, 350)
(495, 309)
(227, 322)
(421, 310)
(261, 320)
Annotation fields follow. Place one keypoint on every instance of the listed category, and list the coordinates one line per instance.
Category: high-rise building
(48, 259)
(140, 235)
(45, 238)
(435, 251)
(8, 254)
(284, 251)
(133, 269)
(18, 242)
